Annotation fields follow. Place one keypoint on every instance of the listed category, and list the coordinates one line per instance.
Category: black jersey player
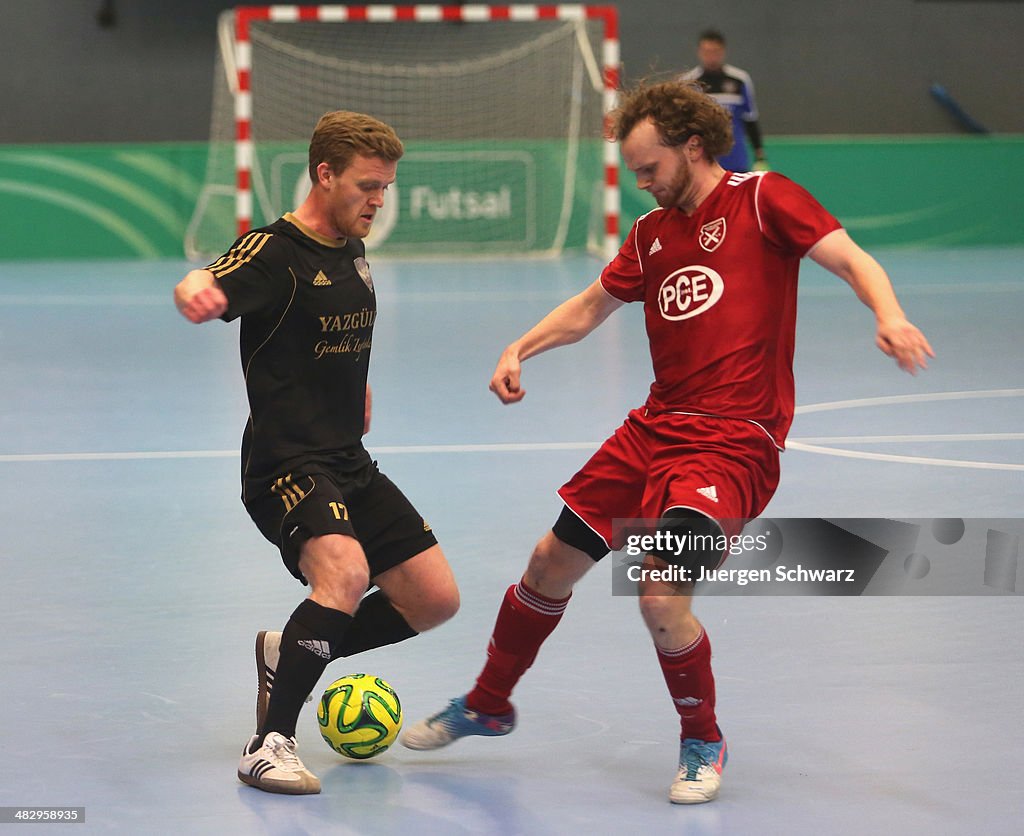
(304, 292)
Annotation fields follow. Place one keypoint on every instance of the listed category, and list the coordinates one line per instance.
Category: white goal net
(500, 110)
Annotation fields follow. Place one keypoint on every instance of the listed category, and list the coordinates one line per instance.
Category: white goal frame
(469, 13)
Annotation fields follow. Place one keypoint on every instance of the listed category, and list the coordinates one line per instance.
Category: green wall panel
(136, 200)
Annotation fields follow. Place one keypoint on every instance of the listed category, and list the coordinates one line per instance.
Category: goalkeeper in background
(304, 292)
(715, 267)
(733, 89)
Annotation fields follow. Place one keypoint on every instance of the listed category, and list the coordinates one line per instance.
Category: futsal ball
(359, 716)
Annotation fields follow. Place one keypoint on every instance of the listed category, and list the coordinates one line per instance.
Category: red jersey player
(715, 266)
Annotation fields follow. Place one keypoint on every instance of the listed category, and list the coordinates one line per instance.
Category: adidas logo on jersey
(655, 247)
(711, 492)
(320, 280)
(320, 648)
(738, 177)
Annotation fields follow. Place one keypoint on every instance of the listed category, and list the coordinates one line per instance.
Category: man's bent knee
(439, 602)
(435, 611)
(337, 571)
(555, 567)
(690, 540)
(422, 589)
(670, 622)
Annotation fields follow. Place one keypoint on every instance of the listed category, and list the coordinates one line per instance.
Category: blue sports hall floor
(133, 582)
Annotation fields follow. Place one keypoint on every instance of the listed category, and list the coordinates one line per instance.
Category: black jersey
(307, 307)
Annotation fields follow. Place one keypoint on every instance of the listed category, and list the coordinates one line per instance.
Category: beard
(675, 193)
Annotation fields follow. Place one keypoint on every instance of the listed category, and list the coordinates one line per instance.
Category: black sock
(306, 643)
(376, 624)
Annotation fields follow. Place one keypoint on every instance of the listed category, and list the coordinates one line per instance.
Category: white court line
(524, 447)
(908, 439)
(920, 398)
(807, 445)
(511, 447)
(114, 457)
(554, 446)
(887, 457)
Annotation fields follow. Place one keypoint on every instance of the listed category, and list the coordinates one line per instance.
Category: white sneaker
(700, 771)
(268, 654)
(275, 767)
(453, 722)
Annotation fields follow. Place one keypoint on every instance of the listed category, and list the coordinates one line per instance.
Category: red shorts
(724, 468)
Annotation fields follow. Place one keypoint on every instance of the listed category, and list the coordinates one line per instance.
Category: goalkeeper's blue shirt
(732, 88)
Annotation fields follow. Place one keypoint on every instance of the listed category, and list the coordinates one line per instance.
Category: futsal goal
(500, 109)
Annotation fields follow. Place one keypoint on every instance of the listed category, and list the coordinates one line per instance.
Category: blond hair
(341, 134)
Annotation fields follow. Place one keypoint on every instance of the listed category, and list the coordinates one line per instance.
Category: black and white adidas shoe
(274, 767)
(268, 654)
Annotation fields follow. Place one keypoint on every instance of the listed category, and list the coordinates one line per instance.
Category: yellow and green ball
(360, 716)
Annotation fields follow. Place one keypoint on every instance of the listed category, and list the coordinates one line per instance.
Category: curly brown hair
(679, 110)
(341, 134)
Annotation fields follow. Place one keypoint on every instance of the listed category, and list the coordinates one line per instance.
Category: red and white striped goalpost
(245, 15)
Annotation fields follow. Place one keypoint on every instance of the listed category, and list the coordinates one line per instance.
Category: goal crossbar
(246, 16)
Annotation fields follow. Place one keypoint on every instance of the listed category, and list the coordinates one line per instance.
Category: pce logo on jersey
(689, 292)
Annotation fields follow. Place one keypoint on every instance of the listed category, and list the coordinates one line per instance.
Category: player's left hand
(505, 380)
(904, 342)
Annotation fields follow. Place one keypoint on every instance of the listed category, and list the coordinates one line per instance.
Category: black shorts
(367, 506)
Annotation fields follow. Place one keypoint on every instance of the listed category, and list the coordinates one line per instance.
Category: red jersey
(719, 293)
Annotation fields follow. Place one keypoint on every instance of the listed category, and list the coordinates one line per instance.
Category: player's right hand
(198, 297)
(205, 305)
(505, 381)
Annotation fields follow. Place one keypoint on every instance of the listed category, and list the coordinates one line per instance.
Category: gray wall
(820, 66)
(852, 66)
(66, 79)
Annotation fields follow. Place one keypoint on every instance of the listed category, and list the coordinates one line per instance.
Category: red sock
(692, 686)
(525, 619)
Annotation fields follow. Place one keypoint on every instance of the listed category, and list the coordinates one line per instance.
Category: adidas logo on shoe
(275, 767)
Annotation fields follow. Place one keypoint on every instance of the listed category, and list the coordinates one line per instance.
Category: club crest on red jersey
(712, 235)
